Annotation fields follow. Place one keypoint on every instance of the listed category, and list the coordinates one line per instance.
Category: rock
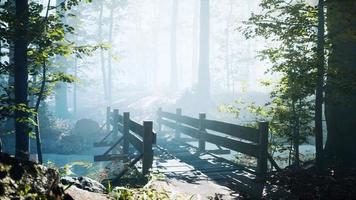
(86, 127)
(84, 183)
(23, 179)
(89, 130)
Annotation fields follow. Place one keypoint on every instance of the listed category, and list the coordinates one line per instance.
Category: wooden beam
(192, 132)
(234, 130)
(170, 124)
(115, 129)
(168, 115)
(220, 151)
(147, 159)
(113, 146)
(263, 149)
(136, 142)
(136, 128)
(202, 117)
(245, 148)
(108, 110)
(190, 121)
(111, 157)
(126, 133)
(177, 131)
(103, 144)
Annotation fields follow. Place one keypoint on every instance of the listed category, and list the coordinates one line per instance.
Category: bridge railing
(127, 132)
(246, 140)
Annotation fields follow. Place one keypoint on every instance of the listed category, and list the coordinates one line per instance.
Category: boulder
(24, 179)
(88, 129)
(84, 183)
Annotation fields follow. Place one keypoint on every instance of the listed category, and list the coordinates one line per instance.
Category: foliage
(47, 40)
(307, 184)
(67, 169)
(149, 191)
(291, 28)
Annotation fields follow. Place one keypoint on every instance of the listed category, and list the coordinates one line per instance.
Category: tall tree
(173, 46)
(61, 102)
(204, 71)
(102, 58)
(111, 27)
(319, 94)
(195, 37)
(340, 102)
(21, 77)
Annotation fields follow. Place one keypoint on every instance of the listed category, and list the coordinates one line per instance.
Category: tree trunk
(75, 86)
(111, 27)
(204, 74)
(9, 124)
(228, 77)
(102, 61)
(22, 128)
(195, 42)
(174, 79)
(319, 93)
(340, 94)
(61, 102)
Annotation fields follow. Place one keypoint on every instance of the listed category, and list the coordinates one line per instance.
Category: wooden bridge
(178, 149)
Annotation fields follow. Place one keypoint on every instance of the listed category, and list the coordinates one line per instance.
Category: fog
(135, 72)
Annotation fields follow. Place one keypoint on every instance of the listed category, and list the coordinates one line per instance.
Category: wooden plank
(220, 151)
(103, 144)
(168, 123)
(234, 130)
(121, 128)
(147, 159)
(114, 145)
(136, 142)
(194, 133)
(168, 115)
(112, 157)
(190, 121)
(121, 118)
(245, 148)
(136, 128)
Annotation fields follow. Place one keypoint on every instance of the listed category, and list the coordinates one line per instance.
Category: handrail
(141, 137)
(247, 140)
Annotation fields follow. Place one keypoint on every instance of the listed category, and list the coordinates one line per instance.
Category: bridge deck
(182, 163)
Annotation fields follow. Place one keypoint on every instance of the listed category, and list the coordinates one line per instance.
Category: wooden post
(159, 119)
(202, 130)
(115, 129)
(263, 149)
(108, 110)
(177, 129)
(126, 132)
(147, 147)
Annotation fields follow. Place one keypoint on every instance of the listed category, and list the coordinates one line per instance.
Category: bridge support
(263, 149)
(126, 132)
(115, 129)
(177, 129)
(147, 147)
(202, 130)
(108, 116)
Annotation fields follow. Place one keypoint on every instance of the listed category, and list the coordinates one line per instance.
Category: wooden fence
(127, 132)
(246, 140)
